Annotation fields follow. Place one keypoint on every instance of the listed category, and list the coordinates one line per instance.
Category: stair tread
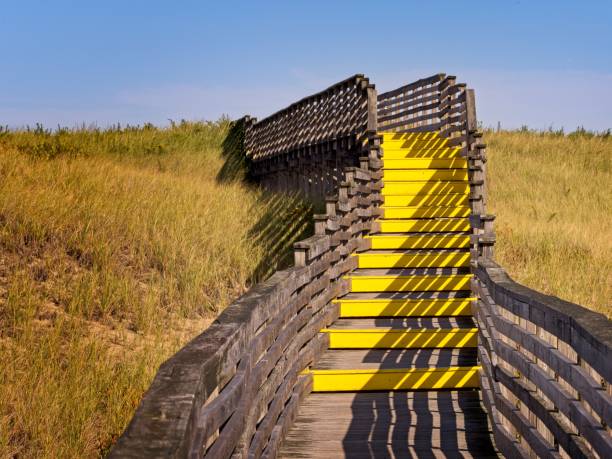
(416, 200)
(405, 296)
(436, 181)
(415, 251)
(455, 194)
(431, 219)
(386, 424)
(384, 206)
(375, 359)
(402, 272)
(403, 323)
(433, 234)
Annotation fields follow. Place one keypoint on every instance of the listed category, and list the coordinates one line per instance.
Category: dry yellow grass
(116, 248)
(552, 195)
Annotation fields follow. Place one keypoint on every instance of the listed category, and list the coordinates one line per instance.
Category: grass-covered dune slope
(552, 194)
(118, 246)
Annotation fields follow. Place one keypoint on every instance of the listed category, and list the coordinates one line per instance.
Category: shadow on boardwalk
(423, 424)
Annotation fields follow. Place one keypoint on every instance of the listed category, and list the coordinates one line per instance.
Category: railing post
(372, 124)
(483, 233)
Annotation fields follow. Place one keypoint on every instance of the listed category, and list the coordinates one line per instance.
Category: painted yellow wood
(425, 211)
(411, 260)
(416, 142)
(424, 241)
(387, 136)
(400, 151)
(444, 225)
(394, 379)
(382, 338)
(430, 200)
(394, 307)
(431, 187)
(455, 282)
(408, 175)
(424, 163)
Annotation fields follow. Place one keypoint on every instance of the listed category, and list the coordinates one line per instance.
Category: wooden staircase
(405, 326)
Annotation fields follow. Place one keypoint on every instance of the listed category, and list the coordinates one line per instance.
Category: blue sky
(540, 63)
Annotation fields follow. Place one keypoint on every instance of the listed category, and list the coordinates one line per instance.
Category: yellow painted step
(424, 143)
(425, 163)
(387, 136)
(411, 175)
(400, 307)
(453, 282)
(431, 187)
(390, 338)
(419, 242)
(443, 225)
(394, 379)
(429, 200)
(411, 260)
(397, 151)
(425, 212)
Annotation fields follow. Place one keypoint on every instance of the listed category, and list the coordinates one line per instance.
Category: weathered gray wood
(578, 378)
(568, 439)
(504, 442)
(498, 291)
(587, 332)
(384, 424)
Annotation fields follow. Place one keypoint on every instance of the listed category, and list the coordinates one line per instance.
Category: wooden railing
(307, 145)
(546, 370)
(234, 390)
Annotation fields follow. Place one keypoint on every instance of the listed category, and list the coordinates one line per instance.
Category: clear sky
(540, 63)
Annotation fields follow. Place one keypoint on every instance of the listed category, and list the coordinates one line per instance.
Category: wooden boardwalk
(405, 328)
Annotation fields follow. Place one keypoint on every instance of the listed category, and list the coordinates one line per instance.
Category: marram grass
(118, 246)
(552, 195)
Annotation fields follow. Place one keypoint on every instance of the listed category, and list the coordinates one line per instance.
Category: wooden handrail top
(422, 82)
(358, 77)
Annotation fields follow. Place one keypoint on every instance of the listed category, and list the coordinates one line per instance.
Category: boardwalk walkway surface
(400, 376)
(390, 425)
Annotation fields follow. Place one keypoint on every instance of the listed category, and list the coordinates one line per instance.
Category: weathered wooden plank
(587, 426)
(568, 439)
(287, 417)
(568, 321)
(348, 425)
(573, 374)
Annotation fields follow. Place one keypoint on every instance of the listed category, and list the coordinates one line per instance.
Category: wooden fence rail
(234, 390)
(547, 370)
(546, 362)
(307, 145)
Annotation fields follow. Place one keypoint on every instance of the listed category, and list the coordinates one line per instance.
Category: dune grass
(552, 194)
(116, 247)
